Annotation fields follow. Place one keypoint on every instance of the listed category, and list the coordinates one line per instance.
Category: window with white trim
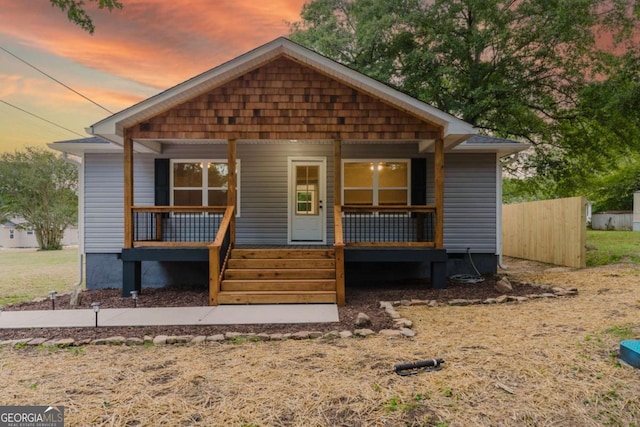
(202, 183)
(376, 182)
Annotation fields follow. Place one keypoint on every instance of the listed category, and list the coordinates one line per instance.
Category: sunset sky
(136, 52)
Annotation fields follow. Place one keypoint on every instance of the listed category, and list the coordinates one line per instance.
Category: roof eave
(502, 150)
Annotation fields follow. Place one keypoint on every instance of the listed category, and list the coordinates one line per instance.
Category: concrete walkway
(171, 316)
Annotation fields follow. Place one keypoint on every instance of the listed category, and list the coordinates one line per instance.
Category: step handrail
(219, 252)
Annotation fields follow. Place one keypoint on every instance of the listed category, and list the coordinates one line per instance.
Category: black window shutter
(162, 184)
(418, 182)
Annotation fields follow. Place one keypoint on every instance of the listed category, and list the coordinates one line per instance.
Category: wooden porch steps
(271, 276)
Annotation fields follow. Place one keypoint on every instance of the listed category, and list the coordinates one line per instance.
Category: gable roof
(110, 128)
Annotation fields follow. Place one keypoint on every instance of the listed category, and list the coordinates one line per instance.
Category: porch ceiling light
(134, 297)
(52, 297)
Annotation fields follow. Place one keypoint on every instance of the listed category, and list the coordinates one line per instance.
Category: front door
(307, 200)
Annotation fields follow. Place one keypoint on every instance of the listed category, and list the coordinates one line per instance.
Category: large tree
(513, 68)
(39, 187)
(77, 14)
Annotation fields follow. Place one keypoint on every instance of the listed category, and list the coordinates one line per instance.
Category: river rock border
(402, 326)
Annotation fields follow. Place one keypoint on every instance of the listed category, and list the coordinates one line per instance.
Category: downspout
(76, 286)
(499, 212)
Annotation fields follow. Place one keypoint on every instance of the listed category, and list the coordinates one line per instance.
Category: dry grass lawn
(539, 363)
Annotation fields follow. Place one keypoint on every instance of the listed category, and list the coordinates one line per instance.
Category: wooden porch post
(128, 188)
(337, 172)
(337, 217)
(232, 185)
(439, 191)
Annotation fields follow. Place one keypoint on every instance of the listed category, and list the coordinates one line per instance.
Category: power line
(55, 80)
(42, 118)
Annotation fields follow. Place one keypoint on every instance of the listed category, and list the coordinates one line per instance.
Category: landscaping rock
(331, 335)
(315, 334)
(403, 323)
(147, 339)
(363, 320)
(459, 302)
(263, 337)
(183, 339)
(160, 340)
(36, 341)
(405, 302)
(419, 302)
(198, 340)
(386, 305)
(433, 303)
(133, 341)
(406, 332)
(393, 314)
(276, 337)
(65, 342)
(501, 299)
(503, 285)
(522, 299)
(302, 335)
(215, 338)
(549, 295)
(490, 301)
(233, 335)
(346, 334)
(363, 332)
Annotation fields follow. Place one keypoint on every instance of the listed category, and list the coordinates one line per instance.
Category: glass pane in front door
(307, 190)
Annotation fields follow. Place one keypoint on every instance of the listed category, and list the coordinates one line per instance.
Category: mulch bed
(359, 299)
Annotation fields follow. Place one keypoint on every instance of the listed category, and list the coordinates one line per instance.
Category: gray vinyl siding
(104, 201)
(264, 189)
(469, 201)
(470, 191)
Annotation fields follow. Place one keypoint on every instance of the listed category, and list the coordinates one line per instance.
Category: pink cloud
(156, 43)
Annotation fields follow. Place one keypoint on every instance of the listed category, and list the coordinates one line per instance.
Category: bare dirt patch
(538, 363)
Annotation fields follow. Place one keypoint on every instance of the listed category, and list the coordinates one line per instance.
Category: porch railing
(219, 252)
(176, 225)
(388, 225)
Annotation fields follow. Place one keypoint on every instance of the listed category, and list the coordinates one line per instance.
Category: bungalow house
(280, 175)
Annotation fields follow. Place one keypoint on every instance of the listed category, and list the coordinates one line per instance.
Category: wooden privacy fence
(551, 231)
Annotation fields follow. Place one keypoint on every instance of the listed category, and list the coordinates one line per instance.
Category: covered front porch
(297, 272)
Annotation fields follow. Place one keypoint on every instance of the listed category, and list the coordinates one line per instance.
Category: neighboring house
(14, 235)
(278, 176)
